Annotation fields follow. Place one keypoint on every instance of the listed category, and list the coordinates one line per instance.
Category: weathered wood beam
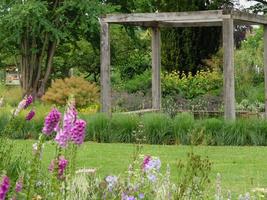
(203, 16)
(178, 24)
(249, 17)
(156, 65)
(105, 68)
(265, 67)
(228, 69)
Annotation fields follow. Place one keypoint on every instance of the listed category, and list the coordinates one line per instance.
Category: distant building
(12, 76)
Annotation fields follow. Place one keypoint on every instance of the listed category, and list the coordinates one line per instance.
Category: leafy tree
(33, 30)
(260, 6)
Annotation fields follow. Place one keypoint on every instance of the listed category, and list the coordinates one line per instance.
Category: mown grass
(242, 168)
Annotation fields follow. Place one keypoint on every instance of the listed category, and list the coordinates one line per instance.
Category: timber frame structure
(227, 19)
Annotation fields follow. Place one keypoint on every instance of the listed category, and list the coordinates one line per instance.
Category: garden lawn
(241, 168)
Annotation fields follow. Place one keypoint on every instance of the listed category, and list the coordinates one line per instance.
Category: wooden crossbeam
(184, 19)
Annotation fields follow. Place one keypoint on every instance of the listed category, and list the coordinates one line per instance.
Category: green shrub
(157, 128)
(189, 86)
(123, 127)
(139, 83)
(183, 124)
(85, 93)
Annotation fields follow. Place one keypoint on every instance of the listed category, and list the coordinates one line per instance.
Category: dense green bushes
(154, 128)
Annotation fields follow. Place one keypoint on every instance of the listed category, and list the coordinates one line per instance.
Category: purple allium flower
(111, 181)
(62, 164)
(19, 185)
(78, 132)
(28, 101)
(30, 115)
(4, 187)
(51, 121)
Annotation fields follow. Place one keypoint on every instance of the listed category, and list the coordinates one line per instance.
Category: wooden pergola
(227, 19)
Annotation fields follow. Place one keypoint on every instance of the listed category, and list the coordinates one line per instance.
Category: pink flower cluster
(25, 103)
(51, 121)
(62, 164)
(73, 129)
(4, 187)
(30, 115)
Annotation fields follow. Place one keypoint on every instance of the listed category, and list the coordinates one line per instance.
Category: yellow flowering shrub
(190, 86)
(84, 92)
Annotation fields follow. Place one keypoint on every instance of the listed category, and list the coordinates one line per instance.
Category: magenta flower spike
(78, 132)
(51, 121)
(19, 185)
(30, 115)
(28, 101)
(4, 187)
(62, 164)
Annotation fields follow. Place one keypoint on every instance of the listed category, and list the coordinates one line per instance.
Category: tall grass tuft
(98, 128)
(157, 128)
(183, 125)
(123, 127)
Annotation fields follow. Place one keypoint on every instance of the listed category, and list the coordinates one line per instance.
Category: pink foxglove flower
(4, 187)
(20, 107)
(28, 101)
(30, 115)
(51, 121)
(62, 164)
(78, 132)
(62, 138)
(69, 119)
(19, 185)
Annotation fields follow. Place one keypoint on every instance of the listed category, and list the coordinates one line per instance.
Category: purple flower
(62, 164)
(150, 163)
(141, 196)
(30, 115)
(28, 101)
(146, 161)
(152, 177)
(51, 121)
(4, 187)
(62, 138)
(78, 132)
(126, 197)
(20, 107)
(111, 181)
(19, 185)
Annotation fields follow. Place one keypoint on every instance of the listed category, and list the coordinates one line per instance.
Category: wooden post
(105, 69)
(265, 67)
(228, 69)
(156, 65)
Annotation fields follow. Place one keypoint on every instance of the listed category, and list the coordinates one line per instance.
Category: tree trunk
(36, 67)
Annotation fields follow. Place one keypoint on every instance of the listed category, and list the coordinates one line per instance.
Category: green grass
(242, 168)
